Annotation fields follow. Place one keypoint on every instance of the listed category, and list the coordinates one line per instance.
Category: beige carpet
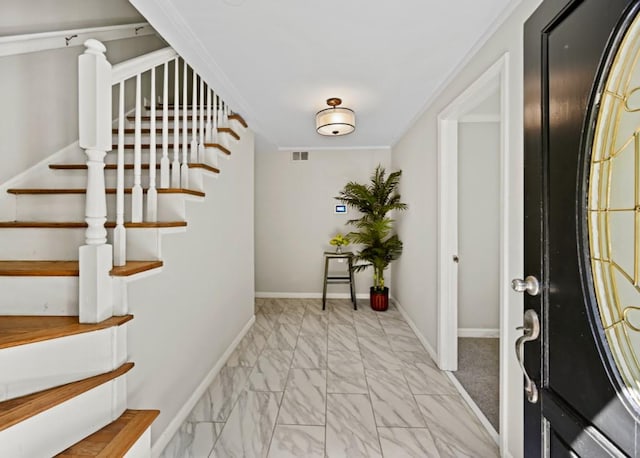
(479, 374)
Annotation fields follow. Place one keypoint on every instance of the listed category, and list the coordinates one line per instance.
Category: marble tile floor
(336, 383)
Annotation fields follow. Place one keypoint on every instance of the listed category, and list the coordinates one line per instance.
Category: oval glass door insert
(614, 209)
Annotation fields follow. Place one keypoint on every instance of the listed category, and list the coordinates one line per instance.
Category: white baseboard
(423, 340)
(184, 412)
(472, 405)
(270, 295)
(479, 332)
(474, 408)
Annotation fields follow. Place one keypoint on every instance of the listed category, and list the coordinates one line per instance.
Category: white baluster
(136, 192)
(213, 158)
(224, 139)
(194, 117)
(184, 170)
(119, 233)
(214, 132)
(207, 134)
(94, 114)
(175, 166)
(164, 162)
(201, 130)
(152, 194)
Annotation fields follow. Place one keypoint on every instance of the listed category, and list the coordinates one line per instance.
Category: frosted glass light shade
(335, 121)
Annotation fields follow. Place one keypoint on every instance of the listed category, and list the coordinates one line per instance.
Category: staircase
(81, 233)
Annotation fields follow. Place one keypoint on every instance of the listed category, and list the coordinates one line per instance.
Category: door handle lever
(531, 331)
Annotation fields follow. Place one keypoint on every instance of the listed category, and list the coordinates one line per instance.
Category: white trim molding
(479, 332)
(474, 408)
(270, 295)
(448, 122)
(333, 148)
(166, 436)
(34, 42)
(423, 340)
(479, 118)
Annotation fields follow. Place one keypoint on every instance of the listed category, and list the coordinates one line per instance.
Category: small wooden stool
(333, 279)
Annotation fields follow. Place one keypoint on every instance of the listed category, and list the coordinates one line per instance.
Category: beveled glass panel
(623, 178)
(622, 227)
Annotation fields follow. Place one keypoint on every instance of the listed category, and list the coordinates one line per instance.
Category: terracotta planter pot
(379, 300)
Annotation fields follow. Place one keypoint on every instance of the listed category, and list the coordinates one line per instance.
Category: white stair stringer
(41, 365)
(39, 296)
(59, 427)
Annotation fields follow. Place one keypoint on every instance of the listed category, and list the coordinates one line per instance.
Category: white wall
(414, 275)
(188, 315)
(478, 225)
(295, 219)
(41, 88)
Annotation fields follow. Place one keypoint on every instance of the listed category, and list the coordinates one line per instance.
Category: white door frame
(497, 76)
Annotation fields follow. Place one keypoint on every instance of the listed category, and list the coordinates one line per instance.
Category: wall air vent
(300, 156)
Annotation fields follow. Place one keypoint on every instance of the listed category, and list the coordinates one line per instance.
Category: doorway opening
(472, 345)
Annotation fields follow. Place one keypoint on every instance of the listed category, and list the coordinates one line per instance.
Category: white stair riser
(71, 207)
(159, 112)
(78, 178)
(142, 447)
(112, 157)
(43, 244)
(39, 296)
(38, 366)
(56, 429)
(129, 139)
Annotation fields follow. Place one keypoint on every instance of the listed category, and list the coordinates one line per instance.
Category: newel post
(94, 78)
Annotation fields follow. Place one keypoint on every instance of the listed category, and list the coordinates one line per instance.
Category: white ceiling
(278, 61)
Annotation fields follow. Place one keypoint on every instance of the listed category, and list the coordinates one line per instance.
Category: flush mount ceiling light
(336, 120)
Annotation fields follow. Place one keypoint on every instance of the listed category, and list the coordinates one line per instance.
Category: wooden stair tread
(230, 131)
(130, 146)
(80, 225)
(240, 119)
(108, 191)
(206, 167)
(192, 165)
(171, 130)
(116, 438)
(67, 268)
(19, 409)
(39, 268)
(160, 118)
(23, 330)
(219, 146)
(135, 267)
(234, 116)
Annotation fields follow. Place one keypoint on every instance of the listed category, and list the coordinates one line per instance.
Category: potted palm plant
(374, 229)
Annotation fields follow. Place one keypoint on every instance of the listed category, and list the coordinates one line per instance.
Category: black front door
(582, 232)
